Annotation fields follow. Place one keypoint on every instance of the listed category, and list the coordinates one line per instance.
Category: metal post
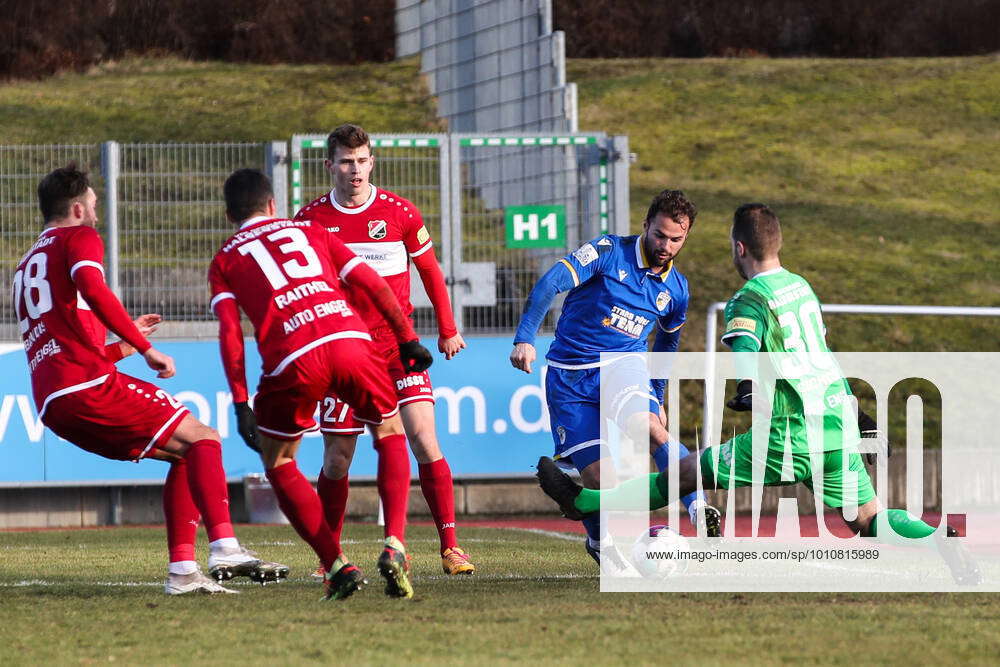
(110, 167)
(116, 505)
(276, 163)
(619, 180)
(296, 173)
(452, 158)
(711, 323)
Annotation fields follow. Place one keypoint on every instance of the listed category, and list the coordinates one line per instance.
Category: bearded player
(64, 309)
(777, 313)
(620, 289)
(289, 277)
(387, 232)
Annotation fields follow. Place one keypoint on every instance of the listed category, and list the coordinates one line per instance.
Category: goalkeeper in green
(777, 313)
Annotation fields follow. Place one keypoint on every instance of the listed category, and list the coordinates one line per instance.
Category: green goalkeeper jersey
(776, 312)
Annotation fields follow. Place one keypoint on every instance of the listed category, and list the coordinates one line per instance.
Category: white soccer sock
(182, 567)
(224, 543)
(693, 509)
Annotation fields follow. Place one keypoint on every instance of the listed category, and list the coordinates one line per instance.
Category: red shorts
(349, 367)
(336, 410)
(122, 418)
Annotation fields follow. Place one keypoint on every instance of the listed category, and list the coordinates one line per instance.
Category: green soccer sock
(904, 528)
(626, 496)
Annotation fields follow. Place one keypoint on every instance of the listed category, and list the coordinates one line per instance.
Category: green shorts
(736, 469)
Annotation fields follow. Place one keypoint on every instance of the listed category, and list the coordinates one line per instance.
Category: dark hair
(348, 136)
(247, 191)
(58, 189)
(757, 227)
(674, 205)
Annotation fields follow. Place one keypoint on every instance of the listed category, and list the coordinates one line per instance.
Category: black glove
(743, 400)
(246, 425)
(869, 429)
(415, 357)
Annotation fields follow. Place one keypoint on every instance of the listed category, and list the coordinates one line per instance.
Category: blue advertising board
(491, 418)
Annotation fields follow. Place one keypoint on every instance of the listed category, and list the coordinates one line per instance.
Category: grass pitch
(86, 596)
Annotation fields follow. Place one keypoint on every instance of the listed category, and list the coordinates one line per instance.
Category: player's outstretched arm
(415, 357)
(146, 324)
(557, 279)
(163, 364)
(107, 308)
(233, 355)
(450, 342)
(522, 356)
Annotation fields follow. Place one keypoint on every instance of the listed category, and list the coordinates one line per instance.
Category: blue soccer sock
(661, 457)
(592, 524)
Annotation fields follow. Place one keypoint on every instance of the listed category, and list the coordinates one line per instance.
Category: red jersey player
(64, 309)
(289, 277)
(387, 232)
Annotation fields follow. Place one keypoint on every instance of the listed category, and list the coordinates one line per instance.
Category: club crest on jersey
(377, 229)
(662, 299)
(561, 432)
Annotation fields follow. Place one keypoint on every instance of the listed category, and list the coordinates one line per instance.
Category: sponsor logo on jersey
(423, 235)
(333, 229)
(662, 299)
(377, 229)
(622, 275)
(625, 322)
(585, 254)
(747, 323)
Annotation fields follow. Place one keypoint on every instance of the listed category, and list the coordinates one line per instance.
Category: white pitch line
(569, 537)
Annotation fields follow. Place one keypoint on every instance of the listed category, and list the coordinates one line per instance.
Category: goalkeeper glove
(246, 425)
(415, 357)
(744, 399)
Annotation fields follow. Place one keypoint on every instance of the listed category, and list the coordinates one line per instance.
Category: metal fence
(493, 65)
(163, 215)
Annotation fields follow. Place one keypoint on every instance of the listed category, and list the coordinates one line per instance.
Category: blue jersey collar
(643, 263)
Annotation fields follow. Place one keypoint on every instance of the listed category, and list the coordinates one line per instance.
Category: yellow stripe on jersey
(572, 271)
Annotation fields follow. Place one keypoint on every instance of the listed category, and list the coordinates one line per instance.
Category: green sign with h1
(535, 226)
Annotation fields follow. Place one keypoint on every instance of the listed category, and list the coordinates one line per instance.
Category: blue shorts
(574, 401)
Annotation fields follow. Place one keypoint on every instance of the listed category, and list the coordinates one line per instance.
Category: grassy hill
(883, 171)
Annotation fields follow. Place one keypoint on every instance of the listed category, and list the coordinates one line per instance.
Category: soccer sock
(593, 524)
(626, 496)
(903, 528)
(439, 491)
(661, 456)
(207, 481)
(333, 494)
(180, 515)
(301, 505)
(393, 482)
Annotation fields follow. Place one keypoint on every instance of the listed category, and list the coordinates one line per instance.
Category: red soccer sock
(333, 494)
(180, 513)
(439, 491)
(393, 482)
(207, 481)
(301, 505)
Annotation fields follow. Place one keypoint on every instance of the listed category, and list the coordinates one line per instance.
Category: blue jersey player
(620, 289)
